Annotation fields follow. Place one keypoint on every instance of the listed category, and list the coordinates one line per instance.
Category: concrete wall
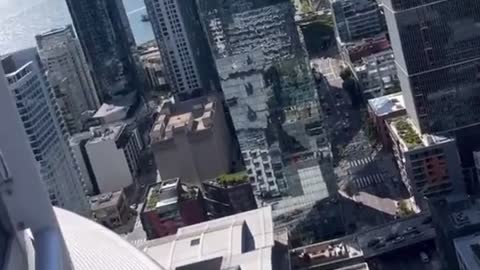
(109, 165)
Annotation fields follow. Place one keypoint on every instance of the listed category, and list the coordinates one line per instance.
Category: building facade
(357, 19)
(268, 88)
(108, 156)
(154, 68)
(111, 209)
(184, 47)
(429, 165)
(191, 140)
(68, 74)
(383, 108)
(108, 44)
(438, 59)
(228, 194)
(45, 129)
(170, 205)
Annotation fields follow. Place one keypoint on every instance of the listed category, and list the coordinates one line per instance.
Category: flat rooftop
(360, 266)
(326, 253)
(388, 104)
(109, 109)
(242, 241)
(468, 248)
(192, 116)
(466, 217)
(403, 128)
(106, 133)
(105, 200)
(161, 194)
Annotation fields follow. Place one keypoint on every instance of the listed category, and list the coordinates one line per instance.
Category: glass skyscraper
(269, 91)
(437, 51)
(107, 41)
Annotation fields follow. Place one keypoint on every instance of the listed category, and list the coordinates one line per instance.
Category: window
(195, 242)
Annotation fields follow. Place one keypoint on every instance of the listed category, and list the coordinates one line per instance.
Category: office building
(28, 89)
(107, 41)
(35, 235)
(377, 74)
(243, 241)
(355, 51)
(437, 56)
(429, 165)
(383, 108)
(268, 88)
(68, 74)
(456, 220)
(191, 140)
(184, 47)
(111, 209)
(108, 156)
(356, 19)
(468, 251)
(228, 194)
(170, 205)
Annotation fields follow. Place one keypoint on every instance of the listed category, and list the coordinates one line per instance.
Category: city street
(366, 173)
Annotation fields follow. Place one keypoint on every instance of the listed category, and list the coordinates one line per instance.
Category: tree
(404, 210)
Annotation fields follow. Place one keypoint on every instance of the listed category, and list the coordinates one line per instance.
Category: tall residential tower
(68, 74)
(103, 30)
(184, 47)
(44, 128)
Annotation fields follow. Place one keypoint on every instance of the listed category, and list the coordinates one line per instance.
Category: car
(399, 239)
(391, 237)
(379, 245)
(424, 257)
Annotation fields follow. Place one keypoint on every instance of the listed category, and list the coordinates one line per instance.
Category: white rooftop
(468, 248)
(109, 109)
(94, 247)
(387, 104)
(225, 240)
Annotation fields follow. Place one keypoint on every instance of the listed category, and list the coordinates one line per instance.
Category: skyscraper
(68, 74)
(269, 90)
(107, 41)
(437, 51)
(184, 47)
(44, 128)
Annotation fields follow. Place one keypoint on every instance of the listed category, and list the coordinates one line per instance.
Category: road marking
(360, 162)
(369, 180)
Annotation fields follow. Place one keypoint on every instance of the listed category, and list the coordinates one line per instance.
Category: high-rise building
(269, 90)
(357, 19)
(36, 108)
(191, 140)
(68, 74)
(108, 156)
(228, 194)
(436, 47)
(108, 44)
(184, 47)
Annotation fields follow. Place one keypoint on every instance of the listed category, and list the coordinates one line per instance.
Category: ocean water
(21, 20)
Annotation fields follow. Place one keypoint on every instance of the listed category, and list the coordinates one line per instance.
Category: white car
(424, 257)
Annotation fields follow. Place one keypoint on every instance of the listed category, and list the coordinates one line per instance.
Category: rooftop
(468, 248)
(387, 104)
(161, 194)
(108, 109)
(105, 200)
(360, 266)
(191, 116)
(106, 133)
(404, 129)
(326, 253)
(466, 217)
(243, 241)
(230, 179)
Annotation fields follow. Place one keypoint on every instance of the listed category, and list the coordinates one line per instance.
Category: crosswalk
(369, 180)
(360, 162)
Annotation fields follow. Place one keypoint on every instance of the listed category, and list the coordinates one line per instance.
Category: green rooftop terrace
(232, 179)
(407, 133)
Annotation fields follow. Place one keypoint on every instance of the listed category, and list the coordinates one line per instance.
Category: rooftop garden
(232, 179)
(407, 133)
